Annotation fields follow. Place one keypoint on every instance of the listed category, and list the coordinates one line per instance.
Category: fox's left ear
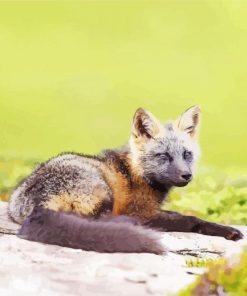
(189, 121)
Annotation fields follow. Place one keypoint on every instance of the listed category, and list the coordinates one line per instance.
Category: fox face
(165, 154)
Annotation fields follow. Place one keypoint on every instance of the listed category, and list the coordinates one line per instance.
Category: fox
(112, 201)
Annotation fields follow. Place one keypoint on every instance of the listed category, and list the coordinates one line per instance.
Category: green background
(73, 73)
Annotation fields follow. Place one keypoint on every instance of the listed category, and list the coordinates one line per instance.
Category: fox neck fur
(133, 194)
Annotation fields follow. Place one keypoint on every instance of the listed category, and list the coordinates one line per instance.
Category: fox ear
(145, 124)
(189, 121)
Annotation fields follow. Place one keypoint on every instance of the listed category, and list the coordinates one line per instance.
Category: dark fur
(119, 161)
(106, 235)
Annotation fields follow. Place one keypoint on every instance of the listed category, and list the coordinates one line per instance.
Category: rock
(30, 268)
(6, 225)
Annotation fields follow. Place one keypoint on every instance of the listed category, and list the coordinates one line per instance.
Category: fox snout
(181, 178)
(179, 172)
(186, 176)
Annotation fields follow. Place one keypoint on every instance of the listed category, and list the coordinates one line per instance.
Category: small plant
(199, 262)
(222, 278)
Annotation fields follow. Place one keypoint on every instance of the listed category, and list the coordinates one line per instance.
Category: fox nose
(186, 177)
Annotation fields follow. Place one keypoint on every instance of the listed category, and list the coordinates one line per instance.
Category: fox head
(165, 154)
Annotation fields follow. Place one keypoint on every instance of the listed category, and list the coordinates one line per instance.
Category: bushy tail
(71, 231)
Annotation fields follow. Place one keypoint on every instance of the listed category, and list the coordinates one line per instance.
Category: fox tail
(69, 230)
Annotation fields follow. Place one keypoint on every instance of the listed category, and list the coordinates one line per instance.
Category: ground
(29, 268)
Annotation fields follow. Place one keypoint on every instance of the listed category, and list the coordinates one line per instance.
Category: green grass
(215, 195)
(73, 73)
(13, 171)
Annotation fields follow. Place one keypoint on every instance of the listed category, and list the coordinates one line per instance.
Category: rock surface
(29, 268)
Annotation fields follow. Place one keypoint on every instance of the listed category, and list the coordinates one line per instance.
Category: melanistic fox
(111, 202)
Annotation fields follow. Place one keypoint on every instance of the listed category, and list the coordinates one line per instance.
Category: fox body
(95, 202)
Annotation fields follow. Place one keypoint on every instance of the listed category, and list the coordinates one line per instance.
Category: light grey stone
(29, 268)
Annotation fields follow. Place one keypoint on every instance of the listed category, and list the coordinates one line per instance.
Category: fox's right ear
(145, 124)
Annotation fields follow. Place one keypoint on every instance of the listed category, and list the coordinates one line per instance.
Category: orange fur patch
(119, 187)
(139, 201)
(85, 205)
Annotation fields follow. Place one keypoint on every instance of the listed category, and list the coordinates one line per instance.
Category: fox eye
(164, 156)
(187, 155)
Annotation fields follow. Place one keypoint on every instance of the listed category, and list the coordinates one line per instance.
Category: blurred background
(73, 73)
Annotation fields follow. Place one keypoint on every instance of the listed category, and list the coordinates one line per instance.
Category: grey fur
(71, 231)
(168, 159)
(66, 173)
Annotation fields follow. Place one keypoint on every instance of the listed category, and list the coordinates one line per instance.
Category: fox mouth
(181, 184)
(162, 184)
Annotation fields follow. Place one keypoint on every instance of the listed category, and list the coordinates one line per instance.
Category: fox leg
(173, 221)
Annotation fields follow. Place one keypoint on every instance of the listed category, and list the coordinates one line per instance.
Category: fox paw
(233, 234)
